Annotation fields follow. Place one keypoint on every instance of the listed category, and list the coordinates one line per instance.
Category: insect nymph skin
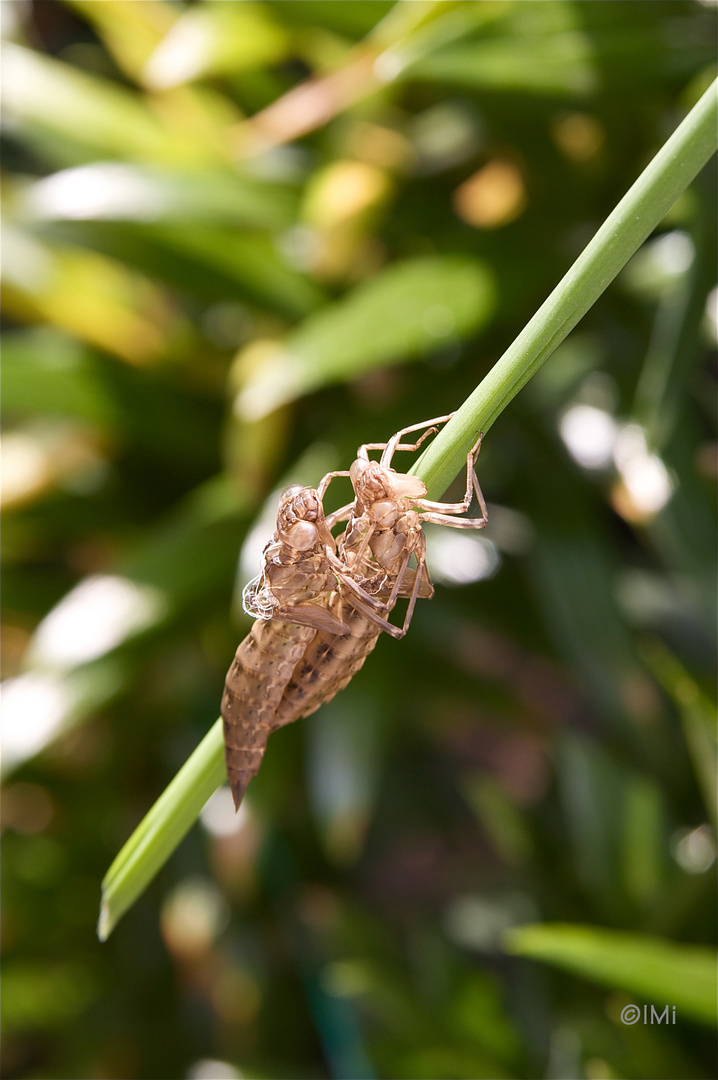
(383, 532)
(286, 602)
(320, 605)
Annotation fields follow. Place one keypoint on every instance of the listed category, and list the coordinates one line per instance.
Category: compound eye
(369, 480)
(290, 492)
(358, 469)
(302, 536)
(308, 505)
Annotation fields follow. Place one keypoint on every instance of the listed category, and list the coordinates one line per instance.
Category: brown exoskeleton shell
(287, 601)
(383, 533)
(320, 610)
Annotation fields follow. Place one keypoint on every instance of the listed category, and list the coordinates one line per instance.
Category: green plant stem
(641, 209)
(636, 216)
(161, 830)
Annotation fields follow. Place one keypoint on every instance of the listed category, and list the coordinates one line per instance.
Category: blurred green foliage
(219, 277)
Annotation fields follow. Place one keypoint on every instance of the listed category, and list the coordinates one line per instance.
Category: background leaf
(404, 311)
(660, 971)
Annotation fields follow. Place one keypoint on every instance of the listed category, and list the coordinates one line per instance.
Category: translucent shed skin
(286, 600)
(384, 531)
(319, 614)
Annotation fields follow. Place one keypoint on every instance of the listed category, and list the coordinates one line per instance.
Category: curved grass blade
(161, 830)
(639, 212)
(654, 969)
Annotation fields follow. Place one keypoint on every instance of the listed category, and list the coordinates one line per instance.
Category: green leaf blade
(661, 971)
(161, 830)
(408, 309)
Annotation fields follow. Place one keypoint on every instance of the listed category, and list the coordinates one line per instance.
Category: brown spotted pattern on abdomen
(328, 664)
(263, 665)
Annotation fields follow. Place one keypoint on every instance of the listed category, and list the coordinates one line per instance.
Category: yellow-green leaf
(408, 309)
(652, 968)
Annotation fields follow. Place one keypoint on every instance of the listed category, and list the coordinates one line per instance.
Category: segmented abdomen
(328, 664)
(263, 665)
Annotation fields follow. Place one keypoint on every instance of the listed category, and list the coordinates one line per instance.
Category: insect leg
(345, 577)
(389, 448)
(358, 601)
(394, 443)
(326, 481)
(359, 553)
(342, 514)
(362, 452)
(361, 600)
(401, 574)
(365, 603)
(420, 569)
(420, 553)
(472, 486)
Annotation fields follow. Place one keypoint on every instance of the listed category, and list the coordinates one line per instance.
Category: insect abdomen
(328, 664)
(262, 666)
